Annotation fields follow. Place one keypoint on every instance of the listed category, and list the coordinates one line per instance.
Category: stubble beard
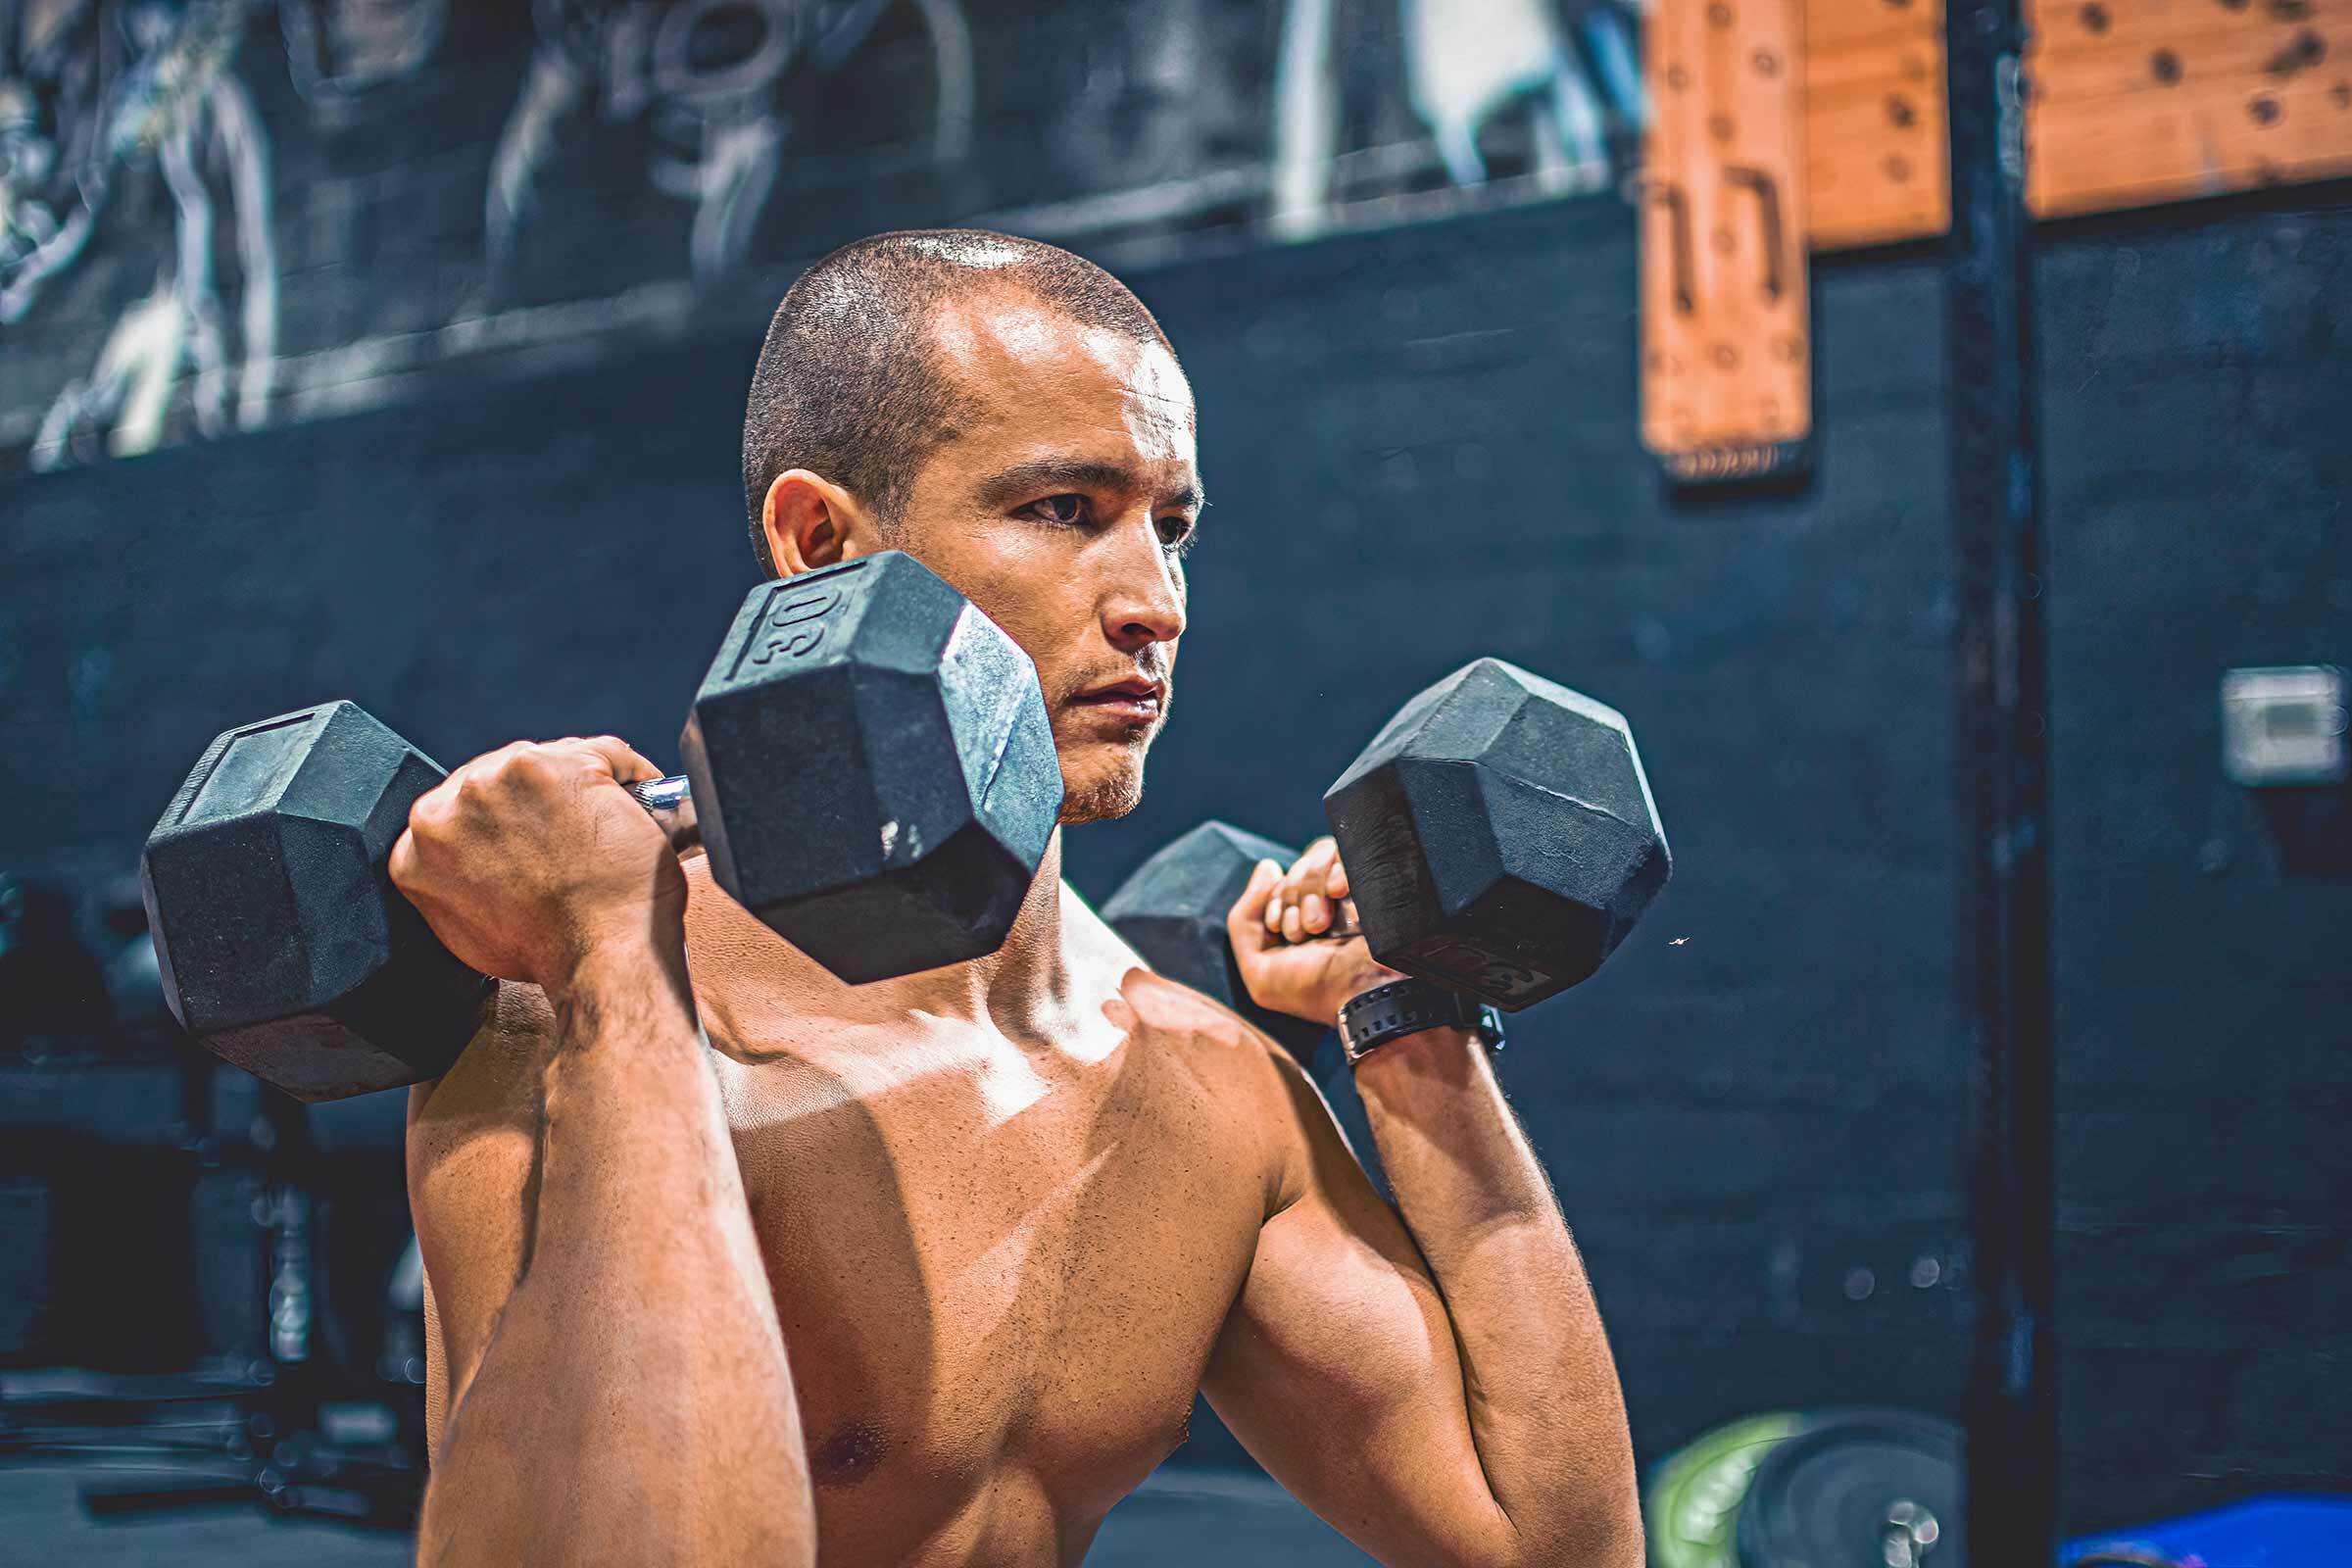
(1106, 797)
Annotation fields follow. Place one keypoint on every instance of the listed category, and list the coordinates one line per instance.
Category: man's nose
(1145, 602)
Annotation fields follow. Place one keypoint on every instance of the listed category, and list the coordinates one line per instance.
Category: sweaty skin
(1006, 1217)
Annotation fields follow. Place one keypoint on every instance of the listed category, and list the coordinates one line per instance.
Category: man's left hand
(1280, 934)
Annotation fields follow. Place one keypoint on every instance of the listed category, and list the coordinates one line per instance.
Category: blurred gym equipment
(1873, 1488)
(236, 1332)
(50, 982)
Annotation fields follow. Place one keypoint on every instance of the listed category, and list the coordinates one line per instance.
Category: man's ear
(811, 521)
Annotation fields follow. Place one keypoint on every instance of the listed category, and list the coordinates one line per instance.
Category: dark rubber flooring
(1189, 1517)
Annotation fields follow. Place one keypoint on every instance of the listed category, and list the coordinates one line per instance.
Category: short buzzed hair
(849, 383)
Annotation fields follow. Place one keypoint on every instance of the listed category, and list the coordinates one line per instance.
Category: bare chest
(992, 1280)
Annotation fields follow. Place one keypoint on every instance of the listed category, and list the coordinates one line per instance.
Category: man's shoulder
(1169, 1016)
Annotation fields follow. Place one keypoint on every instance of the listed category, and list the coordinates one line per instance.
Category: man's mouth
(1137, 701)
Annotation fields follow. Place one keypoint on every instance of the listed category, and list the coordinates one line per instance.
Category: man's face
(1061, 506)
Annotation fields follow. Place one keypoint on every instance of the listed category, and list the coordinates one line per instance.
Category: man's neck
(1022, 990)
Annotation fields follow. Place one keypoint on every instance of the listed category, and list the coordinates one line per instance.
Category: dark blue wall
(1422, 446)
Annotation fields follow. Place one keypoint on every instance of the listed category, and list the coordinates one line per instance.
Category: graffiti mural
(337, 50)
(103, 94)
(708, 79)
(1571, 80)
(218, 214)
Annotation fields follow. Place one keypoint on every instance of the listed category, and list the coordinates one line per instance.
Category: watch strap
(1374, 1017)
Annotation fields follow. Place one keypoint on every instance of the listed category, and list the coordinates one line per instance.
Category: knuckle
(432, 807)
(525, 765)
(483, 770)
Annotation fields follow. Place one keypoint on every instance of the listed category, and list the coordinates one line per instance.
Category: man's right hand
(530, 858)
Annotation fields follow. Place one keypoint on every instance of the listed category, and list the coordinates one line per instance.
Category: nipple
(848, 1456)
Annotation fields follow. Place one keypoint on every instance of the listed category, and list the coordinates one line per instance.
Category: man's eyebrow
(1047, 474)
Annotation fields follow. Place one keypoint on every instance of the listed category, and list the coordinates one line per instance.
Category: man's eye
(1063, 508)
(1177, 533)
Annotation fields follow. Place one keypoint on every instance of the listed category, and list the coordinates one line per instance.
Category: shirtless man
(730, 1262)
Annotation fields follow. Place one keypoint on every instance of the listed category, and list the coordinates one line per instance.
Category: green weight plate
(1833, 1492)
(1692, 1509)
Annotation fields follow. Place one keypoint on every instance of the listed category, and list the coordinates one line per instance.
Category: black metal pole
(2003, 750)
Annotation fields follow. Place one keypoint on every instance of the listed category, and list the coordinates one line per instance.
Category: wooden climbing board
(2139, 101)
(1726, 340)
(2129, 103)
(1875, 168)
(1783, 126)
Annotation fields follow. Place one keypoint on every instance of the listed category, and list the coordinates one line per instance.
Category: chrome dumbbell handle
(669, 801)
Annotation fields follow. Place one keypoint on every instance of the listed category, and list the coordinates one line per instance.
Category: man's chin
(1102, 794)
(1102, 781)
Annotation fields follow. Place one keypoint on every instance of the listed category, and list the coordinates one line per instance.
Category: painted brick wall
(1422, 446)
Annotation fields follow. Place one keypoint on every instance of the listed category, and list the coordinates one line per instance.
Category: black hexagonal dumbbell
(1171, 910)
(869, 764)
(873, 771)
(1499, 840)
(1499, 835)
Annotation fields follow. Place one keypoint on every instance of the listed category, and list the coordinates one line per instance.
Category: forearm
(1545, 1410)
(634, 1403)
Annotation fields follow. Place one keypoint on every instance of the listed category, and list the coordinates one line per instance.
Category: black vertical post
(2002, 756)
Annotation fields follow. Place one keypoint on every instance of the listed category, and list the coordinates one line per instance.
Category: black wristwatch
(1406, 1008)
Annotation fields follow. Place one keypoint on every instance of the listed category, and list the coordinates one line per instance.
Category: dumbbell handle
(669, 801)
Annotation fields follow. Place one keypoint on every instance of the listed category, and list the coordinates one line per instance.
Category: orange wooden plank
(2132, 102)
(2143, 100)
(1726, 389)
(1875, 167)
(1834, 24)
